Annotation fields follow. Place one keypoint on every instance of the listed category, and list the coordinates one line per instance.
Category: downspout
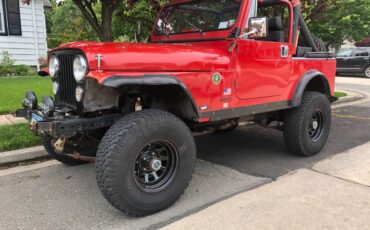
(35, 34)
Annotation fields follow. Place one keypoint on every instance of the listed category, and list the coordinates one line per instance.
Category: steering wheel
(202, 23)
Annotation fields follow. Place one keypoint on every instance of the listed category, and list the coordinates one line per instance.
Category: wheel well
(366, 66)
(318, 84)
(311, 81)
(171, 98)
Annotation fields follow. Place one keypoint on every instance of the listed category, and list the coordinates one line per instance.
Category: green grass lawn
(16, 137)
(12, 91)
(340, 94)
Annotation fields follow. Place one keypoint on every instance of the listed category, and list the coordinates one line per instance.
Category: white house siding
(23, 49)
(348, 44)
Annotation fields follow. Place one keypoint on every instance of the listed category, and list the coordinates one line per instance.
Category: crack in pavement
(327, 174)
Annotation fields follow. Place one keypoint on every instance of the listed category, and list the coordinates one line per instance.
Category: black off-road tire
(298, 125)
(46, 141)
(117, 159)
(321, 47)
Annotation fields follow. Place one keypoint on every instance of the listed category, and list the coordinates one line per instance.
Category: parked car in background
(354, 60)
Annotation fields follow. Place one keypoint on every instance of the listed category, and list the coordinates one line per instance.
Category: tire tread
(107, 153)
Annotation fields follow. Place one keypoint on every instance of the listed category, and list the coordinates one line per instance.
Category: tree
(335, 21)
(65, 23)
(137, 18)
(313, 9)
(100, 14)
(103, 27)
(105, 11)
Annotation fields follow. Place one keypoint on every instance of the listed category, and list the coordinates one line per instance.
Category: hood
(151, 57)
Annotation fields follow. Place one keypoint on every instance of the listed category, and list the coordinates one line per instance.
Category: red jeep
(209, 65)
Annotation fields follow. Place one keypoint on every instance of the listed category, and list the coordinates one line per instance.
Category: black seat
(276, 30)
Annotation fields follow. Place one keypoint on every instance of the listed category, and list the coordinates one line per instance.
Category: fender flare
(117, 81)
(304, 81)
(365, 67)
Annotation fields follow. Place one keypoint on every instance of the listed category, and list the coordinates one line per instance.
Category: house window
(2, 18)
(10, 18)
(14, 17)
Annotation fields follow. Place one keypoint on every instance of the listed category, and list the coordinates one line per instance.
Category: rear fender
(312, 80)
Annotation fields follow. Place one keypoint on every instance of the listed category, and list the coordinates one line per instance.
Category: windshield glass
(198, 16)
(344, 53)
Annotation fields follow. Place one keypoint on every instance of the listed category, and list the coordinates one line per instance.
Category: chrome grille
(65, 96)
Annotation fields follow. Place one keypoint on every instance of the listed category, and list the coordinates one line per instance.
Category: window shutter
(14, 17)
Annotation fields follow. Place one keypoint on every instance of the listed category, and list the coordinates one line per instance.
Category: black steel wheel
(316, 125)
(307, 127)
(156, 165)
(145, 161)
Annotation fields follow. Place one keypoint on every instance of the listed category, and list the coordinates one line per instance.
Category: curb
(353, 97)
(347, 99)
(22, 155)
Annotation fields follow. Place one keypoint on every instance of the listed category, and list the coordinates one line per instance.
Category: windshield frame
(219, 34)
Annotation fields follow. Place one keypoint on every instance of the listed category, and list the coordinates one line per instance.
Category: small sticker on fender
(227, 92)
(204, 107)
(216, 78)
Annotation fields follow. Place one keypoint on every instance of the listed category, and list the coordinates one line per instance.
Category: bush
(7, 67)
(23, 70)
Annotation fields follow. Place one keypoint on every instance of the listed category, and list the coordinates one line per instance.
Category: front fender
(117, 81)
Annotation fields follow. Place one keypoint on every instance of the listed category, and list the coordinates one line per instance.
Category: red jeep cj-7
(210, 64)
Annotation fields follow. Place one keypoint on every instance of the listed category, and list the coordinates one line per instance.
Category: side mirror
(258, 27)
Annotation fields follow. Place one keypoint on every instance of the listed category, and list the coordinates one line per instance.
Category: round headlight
(79, 93)
(79, 68)
(53, 66)
(55, 87)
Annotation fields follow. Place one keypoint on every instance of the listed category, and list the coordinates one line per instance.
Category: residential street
(54, 196)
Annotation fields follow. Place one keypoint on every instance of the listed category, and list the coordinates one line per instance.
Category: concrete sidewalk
(9, 119)
(334, 194)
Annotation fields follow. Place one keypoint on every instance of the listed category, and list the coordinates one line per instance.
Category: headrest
(275, 24)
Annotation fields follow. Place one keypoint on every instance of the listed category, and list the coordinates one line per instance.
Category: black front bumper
(65, 125)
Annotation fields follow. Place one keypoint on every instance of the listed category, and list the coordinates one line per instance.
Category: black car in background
(354, 60)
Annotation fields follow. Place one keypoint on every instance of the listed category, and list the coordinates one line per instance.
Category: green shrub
(24, 70)
(7, 67)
